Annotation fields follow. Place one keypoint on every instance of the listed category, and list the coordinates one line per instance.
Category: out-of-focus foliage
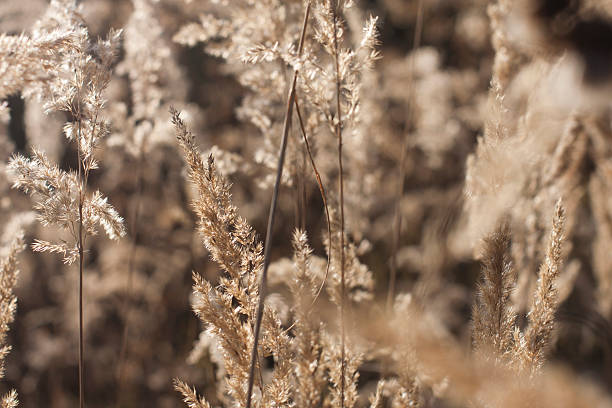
(500, 115)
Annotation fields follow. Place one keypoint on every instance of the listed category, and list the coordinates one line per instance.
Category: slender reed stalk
(300, 189)
(268, 241)
(81, 342)
(61, 196)
(323, 196)
(341, 189)
(397, 215)
(82, 177)
(325, 206)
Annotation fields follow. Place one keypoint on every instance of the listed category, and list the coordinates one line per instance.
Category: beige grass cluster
(467, 179)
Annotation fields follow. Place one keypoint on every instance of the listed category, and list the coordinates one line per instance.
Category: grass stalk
(272, 213)
(81, 342)
(82, 174)
(323, 196)
(397, 214)
(341, 192)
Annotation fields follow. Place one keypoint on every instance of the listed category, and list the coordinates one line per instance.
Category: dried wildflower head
(56, 193)
(228, 309)
(36, 64)
(492, 314)
(61, 197)
(546, 299)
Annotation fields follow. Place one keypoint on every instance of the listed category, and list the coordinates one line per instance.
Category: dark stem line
(268, 241)
(397, 215)
(341, 188)
(81, 374)
(303, 193)
(82, 187)
(325, 206)
(300, 195)
(323, 197)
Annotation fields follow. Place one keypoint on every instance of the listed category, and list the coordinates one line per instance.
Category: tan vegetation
(432, 179)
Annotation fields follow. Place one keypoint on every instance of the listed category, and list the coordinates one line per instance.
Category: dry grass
(443, 222)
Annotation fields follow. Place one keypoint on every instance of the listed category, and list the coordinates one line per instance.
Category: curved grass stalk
(272, 213)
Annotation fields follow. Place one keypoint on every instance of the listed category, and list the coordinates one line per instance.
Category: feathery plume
(492, 315)
(542, 314)
(189, 395)
(229, 309)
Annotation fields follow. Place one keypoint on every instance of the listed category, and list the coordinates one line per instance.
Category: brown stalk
(341, 188)
(82, 187)
(80, 246)
(83, 175)
(323, 197)
(267, 244)
(301, 196)
(397, 216)
(325, 206)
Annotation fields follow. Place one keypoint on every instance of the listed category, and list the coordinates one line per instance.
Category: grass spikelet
(542, 314)
(492, 314)
(10, 400)
(189, 395)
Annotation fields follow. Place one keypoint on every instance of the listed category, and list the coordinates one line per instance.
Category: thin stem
(341, 188)
(303, 197)
(82, 187)
(397, 216)
(267, 244)
(300, 195)
(325, 206)
(81, 374)
(323, 197)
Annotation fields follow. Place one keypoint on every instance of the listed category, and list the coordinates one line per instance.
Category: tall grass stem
(272, 213)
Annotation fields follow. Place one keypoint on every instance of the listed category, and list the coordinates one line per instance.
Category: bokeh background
(431, 99)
